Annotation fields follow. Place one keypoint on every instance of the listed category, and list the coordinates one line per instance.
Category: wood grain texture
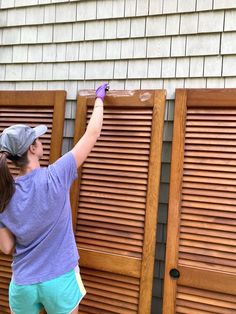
(201, 240)
(32, 108)
(117, 195)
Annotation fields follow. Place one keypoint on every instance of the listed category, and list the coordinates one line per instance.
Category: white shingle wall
(132, 44)
(204, 5)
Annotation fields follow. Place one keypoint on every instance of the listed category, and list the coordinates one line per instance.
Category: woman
(35, 218)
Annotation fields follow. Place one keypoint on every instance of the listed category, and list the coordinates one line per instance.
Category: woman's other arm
(7, 241)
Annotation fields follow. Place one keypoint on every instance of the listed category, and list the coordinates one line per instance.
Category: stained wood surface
(115, 201)
(32, 108)
(201, 240)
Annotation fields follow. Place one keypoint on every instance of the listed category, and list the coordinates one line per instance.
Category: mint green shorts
(58, 296)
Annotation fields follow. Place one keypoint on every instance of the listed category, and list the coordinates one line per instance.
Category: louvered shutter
(201, 239)
(32, 108)
(115, 215)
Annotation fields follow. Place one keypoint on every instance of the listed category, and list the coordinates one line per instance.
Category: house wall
(132, 44)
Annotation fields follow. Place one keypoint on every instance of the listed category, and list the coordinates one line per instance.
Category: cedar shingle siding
(133, 44)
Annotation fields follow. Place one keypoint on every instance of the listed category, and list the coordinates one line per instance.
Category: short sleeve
(2, 225)
(64, 170)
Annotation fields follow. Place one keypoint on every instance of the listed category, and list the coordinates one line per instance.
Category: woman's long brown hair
(7, 182)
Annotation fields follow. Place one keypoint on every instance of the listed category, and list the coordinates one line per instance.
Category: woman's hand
(101, 91)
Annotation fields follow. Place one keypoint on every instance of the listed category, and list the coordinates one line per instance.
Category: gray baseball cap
(17, 139)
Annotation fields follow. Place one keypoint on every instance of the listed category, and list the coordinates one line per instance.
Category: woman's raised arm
(88, 140)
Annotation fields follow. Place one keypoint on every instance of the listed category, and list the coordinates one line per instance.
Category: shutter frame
(190, 276)
(138, 268)
(25, 100)
(174, 199)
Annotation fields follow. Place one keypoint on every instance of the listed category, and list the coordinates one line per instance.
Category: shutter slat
(112, 232)
(97, 182)
(210, 129)
(208, 212)
(94, 289)
(125, 133)
(211, 161)
(27, 120)
(213, 111)
(123, 228)
(124, 139)
(111, 220)
(199, 307)
(213, 142)
(93, 284)
(112, 246)
(28, 109)
(207, 294)
(118, 209)
(208, 199)
(205, 192)
(123, 115)
(220, 238)
(135, 128)
(136, 201)
(211, 117)
(210, 148)
(217, 168)
(117, 286)
(224, 136)
(91, 197)
(214, 155)
(114, 161)
(118, 181)
(119, 156)
(104, 170)
(88, 164)
(226, 264)
(207, 245)
(204, 225)
(186, 310)
(210, 264)
(125, 110)
(202, 205)
(114, 279)
(218, 124)
(208, 253)
(112, 214)
(203, 299)
(226, 182)
(122, 144)
(127, 151)
(130, 122)
(105, 188)
(102, 247)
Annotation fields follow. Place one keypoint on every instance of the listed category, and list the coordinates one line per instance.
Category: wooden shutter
(201, 239)
(115, 216)
(32, 108)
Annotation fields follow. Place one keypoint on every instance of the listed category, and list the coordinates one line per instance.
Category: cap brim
(40, 130)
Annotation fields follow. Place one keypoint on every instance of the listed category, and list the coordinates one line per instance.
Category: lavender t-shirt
(39, 215)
